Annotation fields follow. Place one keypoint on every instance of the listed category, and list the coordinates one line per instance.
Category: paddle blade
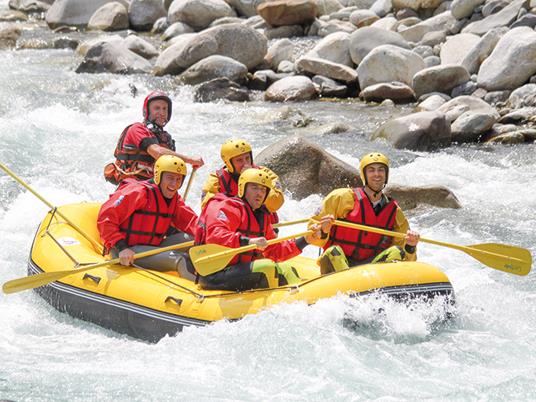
(511, 259)
(206, 266)
(34, 281)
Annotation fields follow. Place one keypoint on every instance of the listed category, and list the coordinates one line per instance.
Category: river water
(58, 129)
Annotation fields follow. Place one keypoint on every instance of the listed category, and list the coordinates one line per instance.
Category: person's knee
(333, 260)
(287, 274)
(269, 269)
(393, 253)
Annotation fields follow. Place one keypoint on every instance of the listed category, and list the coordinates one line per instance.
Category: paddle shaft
(250, 247)
(282, 224)
(34, 281)
(189, 184)
(399, 235)
(95, 244)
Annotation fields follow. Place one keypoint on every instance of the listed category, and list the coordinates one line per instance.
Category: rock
(30, 6)
(236, 41)
(389, 63)
(363, 18)
(501, 19)
(284, 31)
(410, 197)
(335, 26)
(423, 131)
(528, 20)
(476, 118)
(509, 138)
(439, 22)
(334, 48)
(495, 97)
(83, 48)
(512, 62)
(396, 91)
(247, 8)
(304, 168)
(143, 14)
(523, 97)
(518, 116)
(285, 67)
(316, 66)
(432, 61)
(439, 79)
(482, 49)
(113, 57)
(456, 48)
(65, 43)
(226, 20)
(364, 40)
(325, 7)
(262, 79)
(8, 37)
(215, 67)
(386, 23)
(431, 103)
(288, 12)
(423, 51)
(433, 38)
(493, 7)
(416, 4)
(467, 88)
(110, 17)
(220, 88)
(176, 29)
(198, 14)
(461, 9)
(73, 12)
(280, 50)
(297, 88)
(140, 46)
(12, 15)
(160, 25)
(328, 88)
(382, 7)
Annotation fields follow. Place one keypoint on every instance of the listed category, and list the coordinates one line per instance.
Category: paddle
(210, 258)
(95, 244)
(503, 257)
(189, 184)
(34, 281)
(288, 223)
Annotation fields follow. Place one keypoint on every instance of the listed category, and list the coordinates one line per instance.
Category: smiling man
(141, 144)
(367, 205)
(138, 215)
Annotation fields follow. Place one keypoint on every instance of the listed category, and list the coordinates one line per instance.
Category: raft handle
(95, 279)
(177, 301)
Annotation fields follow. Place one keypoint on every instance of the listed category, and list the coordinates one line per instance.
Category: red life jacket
(132, 161)
(228, 183)
(360, 245)
(149, 225)
(249, 226)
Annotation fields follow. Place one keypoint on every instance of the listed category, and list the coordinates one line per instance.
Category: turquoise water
(58, 129)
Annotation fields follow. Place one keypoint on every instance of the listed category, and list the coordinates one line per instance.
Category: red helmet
(156, 95)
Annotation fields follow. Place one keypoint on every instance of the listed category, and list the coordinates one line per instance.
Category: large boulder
(113, 57)
(288, 12)
(411, 197)
(212, 67)
(439, 79)
(364, 40)
(396, 91)
(110, 17)
(389, 63)
(304, 168)
(199, 14)
(296, 88)
(317, 66)
(220, 88)
(512, 62)
(482, 49)
(236, 41)
(73, 12)
(334, 48)
(144, 13)
(423, 131)
(141, 46)
(501, 19)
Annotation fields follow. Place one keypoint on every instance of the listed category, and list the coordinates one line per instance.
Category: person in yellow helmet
(367, 205)
(237, 156)
(243, 220)
(138, 215)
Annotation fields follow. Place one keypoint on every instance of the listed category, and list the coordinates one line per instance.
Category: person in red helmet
(141, 144)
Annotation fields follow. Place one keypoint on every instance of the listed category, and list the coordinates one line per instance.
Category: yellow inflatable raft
(149, 305)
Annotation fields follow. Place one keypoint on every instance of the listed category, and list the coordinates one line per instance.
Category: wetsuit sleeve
(402, 226)
(119, 207)
(280, 251)
(210, 189)
(185, 219)
(222, 221)
(337, 203)
(139, 136)
(275, 198)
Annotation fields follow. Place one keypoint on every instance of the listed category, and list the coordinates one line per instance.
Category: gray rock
(396, 91)
(113, 57)
(226, 20)
(467, 88)
(198, 14)
(482, 49)
(518, 116)
(382, 7)
(328, 88)
(335, 48)
(30, 6)
(512, 62)
(431, 103)
(284, 12)
(493, 7)
(528, 20)
(12, 16)
(464, 8)
(423, 51)
(279, 50)
(416, 4)
(220, 88)
(325, 7)
(144, 13)
(65, 43)
(363, 18)
(262, 79)
(410, 197)
(285, 66)
(495, 97)
(73, 12)
(433, 38)
(285, 31)
(9, 37)
(509, 138)
(140, 46)
(330, 27)
(304, 168)
(503, 18)
(160, 25)
(176, 29)
(439, 22)
(454, 50)
(523, 97)
(423, 131)
(297, 88)
(364, 40)
(439, 79)
(215, 67)
(432, 61)
(83, 48)
(317, 66)
(387, 24)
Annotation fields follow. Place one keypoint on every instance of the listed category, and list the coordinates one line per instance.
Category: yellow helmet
(168, 163)
(369, 159)
(251, 175)
(232, 148)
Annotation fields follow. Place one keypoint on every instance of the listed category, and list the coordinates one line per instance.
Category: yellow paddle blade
(210, 258)
(504, 257)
